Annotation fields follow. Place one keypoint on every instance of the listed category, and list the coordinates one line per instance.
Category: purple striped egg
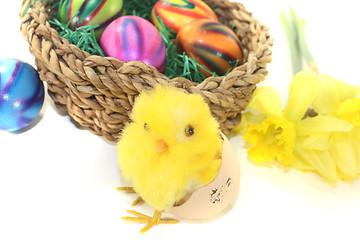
(132, 38)
(21, 94)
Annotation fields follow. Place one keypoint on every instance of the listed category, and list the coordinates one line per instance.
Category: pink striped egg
(132, 38)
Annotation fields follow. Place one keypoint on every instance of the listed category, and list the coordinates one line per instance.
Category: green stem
(291, 35)
(303, 46)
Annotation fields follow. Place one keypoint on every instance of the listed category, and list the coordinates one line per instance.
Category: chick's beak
(161, 146)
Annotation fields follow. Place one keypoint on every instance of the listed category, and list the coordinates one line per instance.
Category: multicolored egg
(212, 45)
(91, 12)
(21, 94)
(176, 13)
(132, 38)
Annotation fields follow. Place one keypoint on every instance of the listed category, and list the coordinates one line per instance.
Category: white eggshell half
(213, 198)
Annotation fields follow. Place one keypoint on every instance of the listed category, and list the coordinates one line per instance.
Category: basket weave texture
(99, 92)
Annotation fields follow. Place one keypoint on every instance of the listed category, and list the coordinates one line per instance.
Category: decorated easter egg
(176, 13)
(91, 12)
(212, 45)
(21, 94)
(211, 200)
(132, 38)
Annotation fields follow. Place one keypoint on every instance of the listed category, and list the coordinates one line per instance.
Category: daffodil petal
(345, 177)
(327, 98)
(300, 164)
(349, 110)
(322, 124)
(315, 141)
(331, 93)
(356, 143)
(344, 90)
(344, 155)
(303, 90)
(321, 161)
(267, 101)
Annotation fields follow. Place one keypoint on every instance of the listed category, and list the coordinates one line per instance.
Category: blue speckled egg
(21, 94)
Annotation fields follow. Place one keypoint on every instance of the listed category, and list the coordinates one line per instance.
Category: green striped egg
(91, 12)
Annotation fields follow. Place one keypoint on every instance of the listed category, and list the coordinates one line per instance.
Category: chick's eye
(146, 127)
(189, 130)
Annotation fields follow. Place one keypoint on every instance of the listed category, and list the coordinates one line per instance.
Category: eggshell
(176, 13)
(212, 199)
(132, 38)
(21, 94)
(212, 45)
(91, 12)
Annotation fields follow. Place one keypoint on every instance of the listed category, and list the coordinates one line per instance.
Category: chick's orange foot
(150, 221)
(131, 190)
(126, 189)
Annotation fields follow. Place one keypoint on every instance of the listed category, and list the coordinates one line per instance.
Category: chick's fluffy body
(190, 162)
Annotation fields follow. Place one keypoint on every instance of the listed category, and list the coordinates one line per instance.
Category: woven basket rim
(35, 24)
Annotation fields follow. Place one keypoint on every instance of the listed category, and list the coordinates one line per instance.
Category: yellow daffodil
(319, 128)
(272, 134)
(285, 136)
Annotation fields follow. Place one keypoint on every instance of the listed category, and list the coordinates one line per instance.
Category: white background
(59, 182)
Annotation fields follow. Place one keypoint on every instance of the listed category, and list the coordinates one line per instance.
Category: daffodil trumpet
(319, 128)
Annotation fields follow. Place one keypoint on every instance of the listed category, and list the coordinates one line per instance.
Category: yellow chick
(171, 148)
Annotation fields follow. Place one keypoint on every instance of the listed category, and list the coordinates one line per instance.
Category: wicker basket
(99, 92)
